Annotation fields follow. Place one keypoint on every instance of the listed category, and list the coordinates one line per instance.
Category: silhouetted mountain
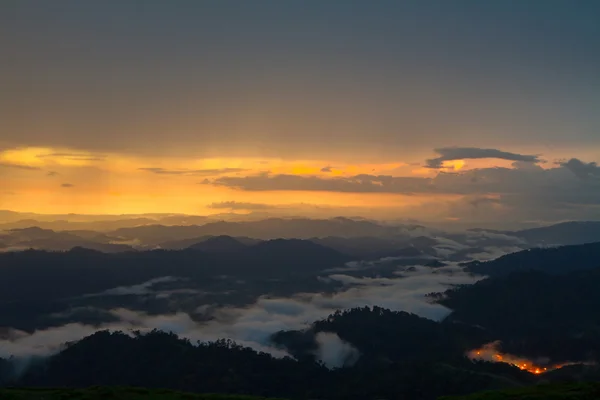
(382, 336)
(556, 260)
(359, 246)
(46, 239)
(182, 243)
(379, 247)
(273, 228)
(162, 360)
(576, 232)
(66, 225)
(92, 235)
(188, 243)
(219, 244)
(35, 284)
(535, 314)
(294, 252)
(565, 233)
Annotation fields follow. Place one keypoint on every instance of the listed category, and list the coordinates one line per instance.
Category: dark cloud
(19, 166)
(569, 190)
(326, 169)
(67, 185)
(201, 172)
(462, 153)
(236, 205)
(560, 181)
(52, 173)
(582, 169)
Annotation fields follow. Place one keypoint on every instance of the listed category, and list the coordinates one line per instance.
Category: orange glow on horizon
(62, 180)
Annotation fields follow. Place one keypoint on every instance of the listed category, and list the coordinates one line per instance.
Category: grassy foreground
(112, 393)
(575, 391)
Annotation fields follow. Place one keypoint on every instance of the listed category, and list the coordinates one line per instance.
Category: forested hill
(533, 313)
(162, 360)
(556, 260)
(380, 335)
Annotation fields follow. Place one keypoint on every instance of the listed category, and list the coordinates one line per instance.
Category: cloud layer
(196, 172)
(566, 190)
(470, 153)
(253, 325)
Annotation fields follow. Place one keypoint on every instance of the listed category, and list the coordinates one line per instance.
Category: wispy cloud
(197, 172)
(353, 184)
(19, 166)
(253, 325)
(140, 289)
(236, 205)
(67, 185)
(74, 156)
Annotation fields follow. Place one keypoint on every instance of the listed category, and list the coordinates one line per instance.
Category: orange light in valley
(489, 352)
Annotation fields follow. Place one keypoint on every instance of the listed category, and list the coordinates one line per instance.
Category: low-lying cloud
(253, 325)
(334, 352)
(140, 289)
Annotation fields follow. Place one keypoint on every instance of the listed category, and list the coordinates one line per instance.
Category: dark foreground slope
(160, 360)
(114, 393)
(391, 365)
(578, 391)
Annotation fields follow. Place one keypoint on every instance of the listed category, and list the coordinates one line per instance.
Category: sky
(427, 109)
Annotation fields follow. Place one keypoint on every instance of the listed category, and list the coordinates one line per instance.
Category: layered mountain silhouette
(556, 260)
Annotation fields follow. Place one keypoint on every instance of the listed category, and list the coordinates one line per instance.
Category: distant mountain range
(573, 232)
(46, 239)
(556, 260)
(358, 238)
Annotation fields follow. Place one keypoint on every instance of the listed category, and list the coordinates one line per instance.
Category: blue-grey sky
(345, 82)
(328, 74)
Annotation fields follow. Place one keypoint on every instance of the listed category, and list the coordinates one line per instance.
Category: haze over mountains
(356, 237)
(297, 303)
(299, 200)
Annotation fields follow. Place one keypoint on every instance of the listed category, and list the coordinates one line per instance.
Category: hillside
(556, 260)
(572, 232)
(580, 391)
(115, 393)
(533, 313)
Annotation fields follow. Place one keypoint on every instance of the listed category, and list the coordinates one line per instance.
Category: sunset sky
(449, 110)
